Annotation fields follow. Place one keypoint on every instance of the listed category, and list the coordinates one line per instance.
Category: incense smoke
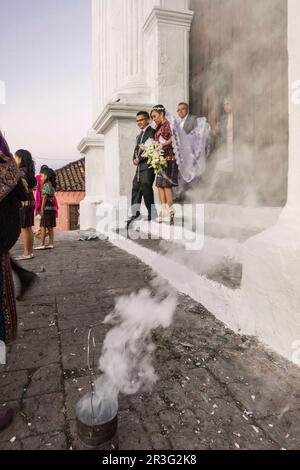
(247, 61)
(126, 360)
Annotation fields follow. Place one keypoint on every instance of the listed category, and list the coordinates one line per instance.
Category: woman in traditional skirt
(48, 208)
(168, 180)
(11, 193)
(38, 201)
(9, 233)
(26, 165)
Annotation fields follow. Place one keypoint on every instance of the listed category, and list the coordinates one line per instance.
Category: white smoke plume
(126, 360)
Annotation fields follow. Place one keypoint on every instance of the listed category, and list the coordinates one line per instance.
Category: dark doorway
(74, 216)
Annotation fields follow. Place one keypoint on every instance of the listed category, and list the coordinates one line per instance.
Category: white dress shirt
(182, 123)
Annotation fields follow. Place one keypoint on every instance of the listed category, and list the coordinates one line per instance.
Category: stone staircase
(219, 254)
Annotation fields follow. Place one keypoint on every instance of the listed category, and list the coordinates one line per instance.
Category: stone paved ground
(216, 390)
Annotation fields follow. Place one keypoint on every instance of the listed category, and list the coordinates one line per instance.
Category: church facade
(205, 51)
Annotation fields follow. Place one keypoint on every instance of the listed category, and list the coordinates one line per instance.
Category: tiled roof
(71, 178)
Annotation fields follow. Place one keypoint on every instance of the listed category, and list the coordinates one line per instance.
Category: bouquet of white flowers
(154, 154)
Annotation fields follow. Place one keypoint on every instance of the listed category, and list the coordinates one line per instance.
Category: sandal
(24, 258)
(162, 214)
(40, 248)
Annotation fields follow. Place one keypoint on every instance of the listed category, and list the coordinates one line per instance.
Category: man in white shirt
(188, 122)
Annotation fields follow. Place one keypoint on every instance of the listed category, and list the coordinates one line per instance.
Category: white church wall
(112, 163)
(271, 264)
(127, 135)
(175, 4)
(167, 31)
(173, 44)
(92, 147)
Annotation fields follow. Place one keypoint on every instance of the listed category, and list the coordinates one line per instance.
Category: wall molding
(115, 111)
(163, 17)
(90, 142)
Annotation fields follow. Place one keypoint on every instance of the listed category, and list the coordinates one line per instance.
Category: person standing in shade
(27, 169)
(38, 199)
(48, 208)
(11, 192)
(224, 138)
(187, 121)
(144, 178)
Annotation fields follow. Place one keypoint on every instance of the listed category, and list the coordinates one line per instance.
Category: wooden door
(74, 216)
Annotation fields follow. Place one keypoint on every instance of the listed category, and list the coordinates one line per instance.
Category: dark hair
(50, 174)
(28, 166)
(43, 167)
(184, 104)
(159, 108)
(144, 113)
(4, 148)
(52, 177)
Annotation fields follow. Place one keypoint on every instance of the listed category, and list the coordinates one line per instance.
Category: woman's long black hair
(51, 175)
(28, 166)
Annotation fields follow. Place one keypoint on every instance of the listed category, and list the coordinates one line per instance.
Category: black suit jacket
(149, 134)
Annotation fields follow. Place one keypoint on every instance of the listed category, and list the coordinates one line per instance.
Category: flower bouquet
(153, 152)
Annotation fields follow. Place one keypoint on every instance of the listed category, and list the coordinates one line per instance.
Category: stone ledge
(161, 16)
(114, 111)
(90, 141)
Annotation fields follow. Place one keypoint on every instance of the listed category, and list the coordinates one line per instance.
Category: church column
(167, 33)
(271, 267)
(132, 80)
(123, 43)
(92, 148)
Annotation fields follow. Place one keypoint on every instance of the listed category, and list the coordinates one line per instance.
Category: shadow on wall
(239, 50)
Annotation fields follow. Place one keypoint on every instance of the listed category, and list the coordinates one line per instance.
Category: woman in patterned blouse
(167, 180)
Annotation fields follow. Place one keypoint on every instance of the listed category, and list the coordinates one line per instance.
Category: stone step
(212, 281)
(227, 221)
(241, 223)
(217, 260)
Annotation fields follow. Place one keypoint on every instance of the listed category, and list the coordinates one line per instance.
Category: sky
(45, 63)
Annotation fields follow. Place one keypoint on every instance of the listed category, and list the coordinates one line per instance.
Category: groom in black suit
(144, 178)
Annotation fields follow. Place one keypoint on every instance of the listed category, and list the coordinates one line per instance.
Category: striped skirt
(8, 312)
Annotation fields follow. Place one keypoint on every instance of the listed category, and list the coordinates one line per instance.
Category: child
(38, 191)
(38, 201)
(48, 208)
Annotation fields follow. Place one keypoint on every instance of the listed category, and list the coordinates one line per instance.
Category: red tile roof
(71, 178)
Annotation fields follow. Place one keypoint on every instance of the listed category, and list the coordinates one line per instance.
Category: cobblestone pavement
(216, 390)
